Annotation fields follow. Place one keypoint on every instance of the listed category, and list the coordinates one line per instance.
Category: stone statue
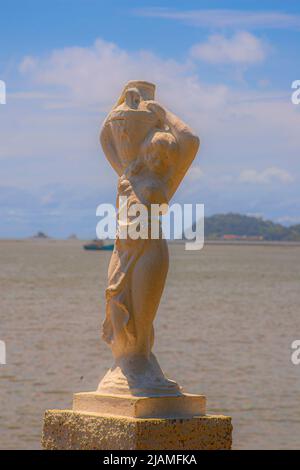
(150, 149)
(135, 405)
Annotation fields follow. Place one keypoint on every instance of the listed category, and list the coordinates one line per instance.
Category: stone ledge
(182, 406)
(71, 430)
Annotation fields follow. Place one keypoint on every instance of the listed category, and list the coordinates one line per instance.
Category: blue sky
(225, 67)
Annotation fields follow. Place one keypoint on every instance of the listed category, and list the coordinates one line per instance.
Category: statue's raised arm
(187, 145)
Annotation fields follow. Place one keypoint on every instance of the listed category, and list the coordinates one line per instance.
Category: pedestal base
(185, 405)
(73, 430)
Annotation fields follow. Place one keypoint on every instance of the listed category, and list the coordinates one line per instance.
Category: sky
(225, 67)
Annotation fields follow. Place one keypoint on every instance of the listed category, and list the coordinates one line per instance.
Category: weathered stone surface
(71, 430)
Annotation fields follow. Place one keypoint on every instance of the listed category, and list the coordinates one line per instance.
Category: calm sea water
(224, 328)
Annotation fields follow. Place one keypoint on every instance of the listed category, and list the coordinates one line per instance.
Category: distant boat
(99, 245)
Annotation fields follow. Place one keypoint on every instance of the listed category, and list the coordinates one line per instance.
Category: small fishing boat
(102, 245)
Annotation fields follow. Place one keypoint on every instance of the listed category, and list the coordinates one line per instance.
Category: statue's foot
(138, 376)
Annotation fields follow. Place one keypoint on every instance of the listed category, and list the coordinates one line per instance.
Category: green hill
(219, 225)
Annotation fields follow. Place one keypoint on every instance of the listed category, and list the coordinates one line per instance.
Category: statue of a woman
(151, 150)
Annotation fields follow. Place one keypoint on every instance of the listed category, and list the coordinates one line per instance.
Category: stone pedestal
(181, 406)
(73, 430)
(110, 422)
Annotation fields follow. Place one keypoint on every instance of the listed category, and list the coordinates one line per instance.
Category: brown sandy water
(224, 328)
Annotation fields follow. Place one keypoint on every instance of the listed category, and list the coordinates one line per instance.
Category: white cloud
(28, 64)
(49, 131)
(195, 173)
(241, 48)
(289, 220)
(224, 18)
(266, 176)
(257, 215)
(95, 75)
(79, 85)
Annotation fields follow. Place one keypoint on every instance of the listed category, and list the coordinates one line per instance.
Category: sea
(225, 328)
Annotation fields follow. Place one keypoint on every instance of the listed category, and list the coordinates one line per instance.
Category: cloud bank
(241, 48)
(54, 173)
(225, 18)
